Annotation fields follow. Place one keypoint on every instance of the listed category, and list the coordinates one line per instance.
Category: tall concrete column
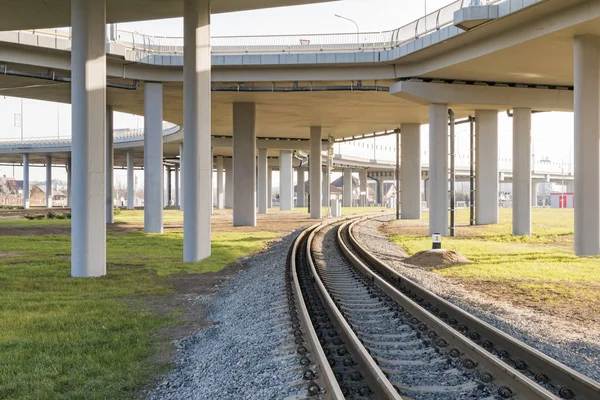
(26, 181)
(347, 187)
(153, 158)
(286, 181)
(587, 149)
(130, 181)
(197, 167)
(229, 183)
(212, 187)
(220, 191)
(48, 181)
(169, 186)
(534, 186)
(326, 185)
(244, 164)
(362, 179)
(110, 161)
(380, 188)
(316, 192)
(88, 99)
(263, 170)
(486, 167)
(181, 160)
(522, 171)
(69, 186)
(177, 186)
(270, 188)
(438, 169)
(410, 172)
(300, 185)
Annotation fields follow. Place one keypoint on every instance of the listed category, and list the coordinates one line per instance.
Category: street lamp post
(355, 24)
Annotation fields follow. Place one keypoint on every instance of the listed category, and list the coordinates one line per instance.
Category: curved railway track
(366, 332)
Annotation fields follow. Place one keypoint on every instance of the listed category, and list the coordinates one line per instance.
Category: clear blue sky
(552, 132)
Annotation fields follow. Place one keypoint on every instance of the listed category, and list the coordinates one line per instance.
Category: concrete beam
(483, 97)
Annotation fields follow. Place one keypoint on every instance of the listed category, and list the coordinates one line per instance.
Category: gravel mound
(248, 352)
(437, 259)
(576, 346)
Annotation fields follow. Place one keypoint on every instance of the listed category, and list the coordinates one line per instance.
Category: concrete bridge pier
(270, 187)
(521, 171)
(25, 181)
(263, 168)
(362, 178)
(197, 160)
(169, 185)
(438, 169)
(182, 176)
(244, 164)
(69, 186)
(48, 181)
(110, 165)
(220, 194)
(88, 99)
(130, 181)
(534, 192)
(316, 190)
(286, 181)
(410, 173)
(380, 188)
(300, 185)
(347, 188)
(177, 197)
(587, 150)
(228, 183)
(486, 175)
(153, 158)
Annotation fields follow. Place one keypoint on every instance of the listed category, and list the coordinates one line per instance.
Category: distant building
(37, 197)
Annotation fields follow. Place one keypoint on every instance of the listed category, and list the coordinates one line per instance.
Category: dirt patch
(547, 299)
(436, 259)
(4, 254)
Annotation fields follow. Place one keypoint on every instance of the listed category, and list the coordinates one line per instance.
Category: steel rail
(518, 362)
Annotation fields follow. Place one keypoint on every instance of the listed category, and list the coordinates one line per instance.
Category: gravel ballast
(574, 345)
(248, 352)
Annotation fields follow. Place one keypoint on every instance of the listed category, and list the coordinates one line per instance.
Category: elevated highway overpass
(522, 55)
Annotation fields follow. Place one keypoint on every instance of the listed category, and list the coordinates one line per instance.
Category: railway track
(22, 212)
(367, 332)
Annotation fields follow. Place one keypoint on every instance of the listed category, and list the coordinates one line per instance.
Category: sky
(552, 132)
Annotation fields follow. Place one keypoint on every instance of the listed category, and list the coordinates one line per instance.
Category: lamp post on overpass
(355, 24)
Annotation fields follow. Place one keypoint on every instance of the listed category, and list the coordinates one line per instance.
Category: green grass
(536, 264)
(65, 338)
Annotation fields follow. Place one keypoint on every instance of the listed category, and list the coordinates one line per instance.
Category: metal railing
(365, 41)
(120, 135)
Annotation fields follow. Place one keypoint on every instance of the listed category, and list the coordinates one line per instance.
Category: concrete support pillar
(326, 185)
(300, 185)
(270, 188)
(316, 191)
(427, 190)
(262, 181)
(177, 186)
(153, 158)
(220, 191)
(347, 187)
(48, 181)
(228, 183)
(410, 172)
(88, 97)
(69, 186)
(182, 176)
(130, 181)
(362, 178)
(534, 185)
(212, 187)
(169, 186)
(587, 147)
(26, 181)
(486, 167)
(244, 164)
(522, 171)
(286, 181)
(197, 167)
(380, 188)
(110, 164)
(438, 169)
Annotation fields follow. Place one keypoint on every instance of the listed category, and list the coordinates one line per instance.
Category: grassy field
(80, 338)
(540, 267)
